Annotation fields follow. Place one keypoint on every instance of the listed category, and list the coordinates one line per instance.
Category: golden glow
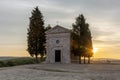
(95, 50)
(100, 51)
(13, 50)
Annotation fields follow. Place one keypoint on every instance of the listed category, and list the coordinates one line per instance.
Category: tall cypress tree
(80, 21)
(81, 30)
(36, 34)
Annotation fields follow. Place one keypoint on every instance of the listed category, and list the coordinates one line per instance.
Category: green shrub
(2, 64)
(10, 63)
(17, 61)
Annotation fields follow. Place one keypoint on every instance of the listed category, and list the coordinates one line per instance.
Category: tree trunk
(36, 58)
(79, 59)
(36, 52)
(88, 60)
(84, 60)
(41, 58)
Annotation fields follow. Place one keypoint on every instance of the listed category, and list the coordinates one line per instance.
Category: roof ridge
(57, 26)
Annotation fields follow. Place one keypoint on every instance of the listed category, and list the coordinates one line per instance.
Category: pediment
(58, 29)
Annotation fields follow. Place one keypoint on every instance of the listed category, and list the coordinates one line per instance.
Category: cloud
(102, 15)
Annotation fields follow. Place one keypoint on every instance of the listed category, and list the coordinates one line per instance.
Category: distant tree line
(81, 37)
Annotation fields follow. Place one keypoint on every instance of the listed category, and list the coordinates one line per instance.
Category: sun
(95, 50)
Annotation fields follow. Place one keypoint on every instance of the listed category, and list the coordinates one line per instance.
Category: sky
(102, 15)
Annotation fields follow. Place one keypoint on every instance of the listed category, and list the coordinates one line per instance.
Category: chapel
(58, 45)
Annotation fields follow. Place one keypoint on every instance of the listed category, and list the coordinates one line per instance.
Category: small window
(57, 41)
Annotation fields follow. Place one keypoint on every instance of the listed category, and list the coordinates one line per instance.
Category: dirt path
(62, 72)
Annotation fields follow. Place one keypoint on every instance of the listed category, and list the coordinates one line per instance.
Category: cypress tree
(84, 41)
(36, 34)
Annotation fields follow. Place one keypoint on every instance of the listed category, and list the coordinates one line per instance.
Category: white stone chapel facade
(58, 45)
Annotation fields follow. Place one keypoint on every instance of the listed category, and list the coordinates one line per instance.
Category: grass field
(13, 61)
(99, 69)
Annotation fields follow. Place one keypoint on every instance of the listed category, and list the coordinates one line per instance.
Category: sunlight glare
(95, 49)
